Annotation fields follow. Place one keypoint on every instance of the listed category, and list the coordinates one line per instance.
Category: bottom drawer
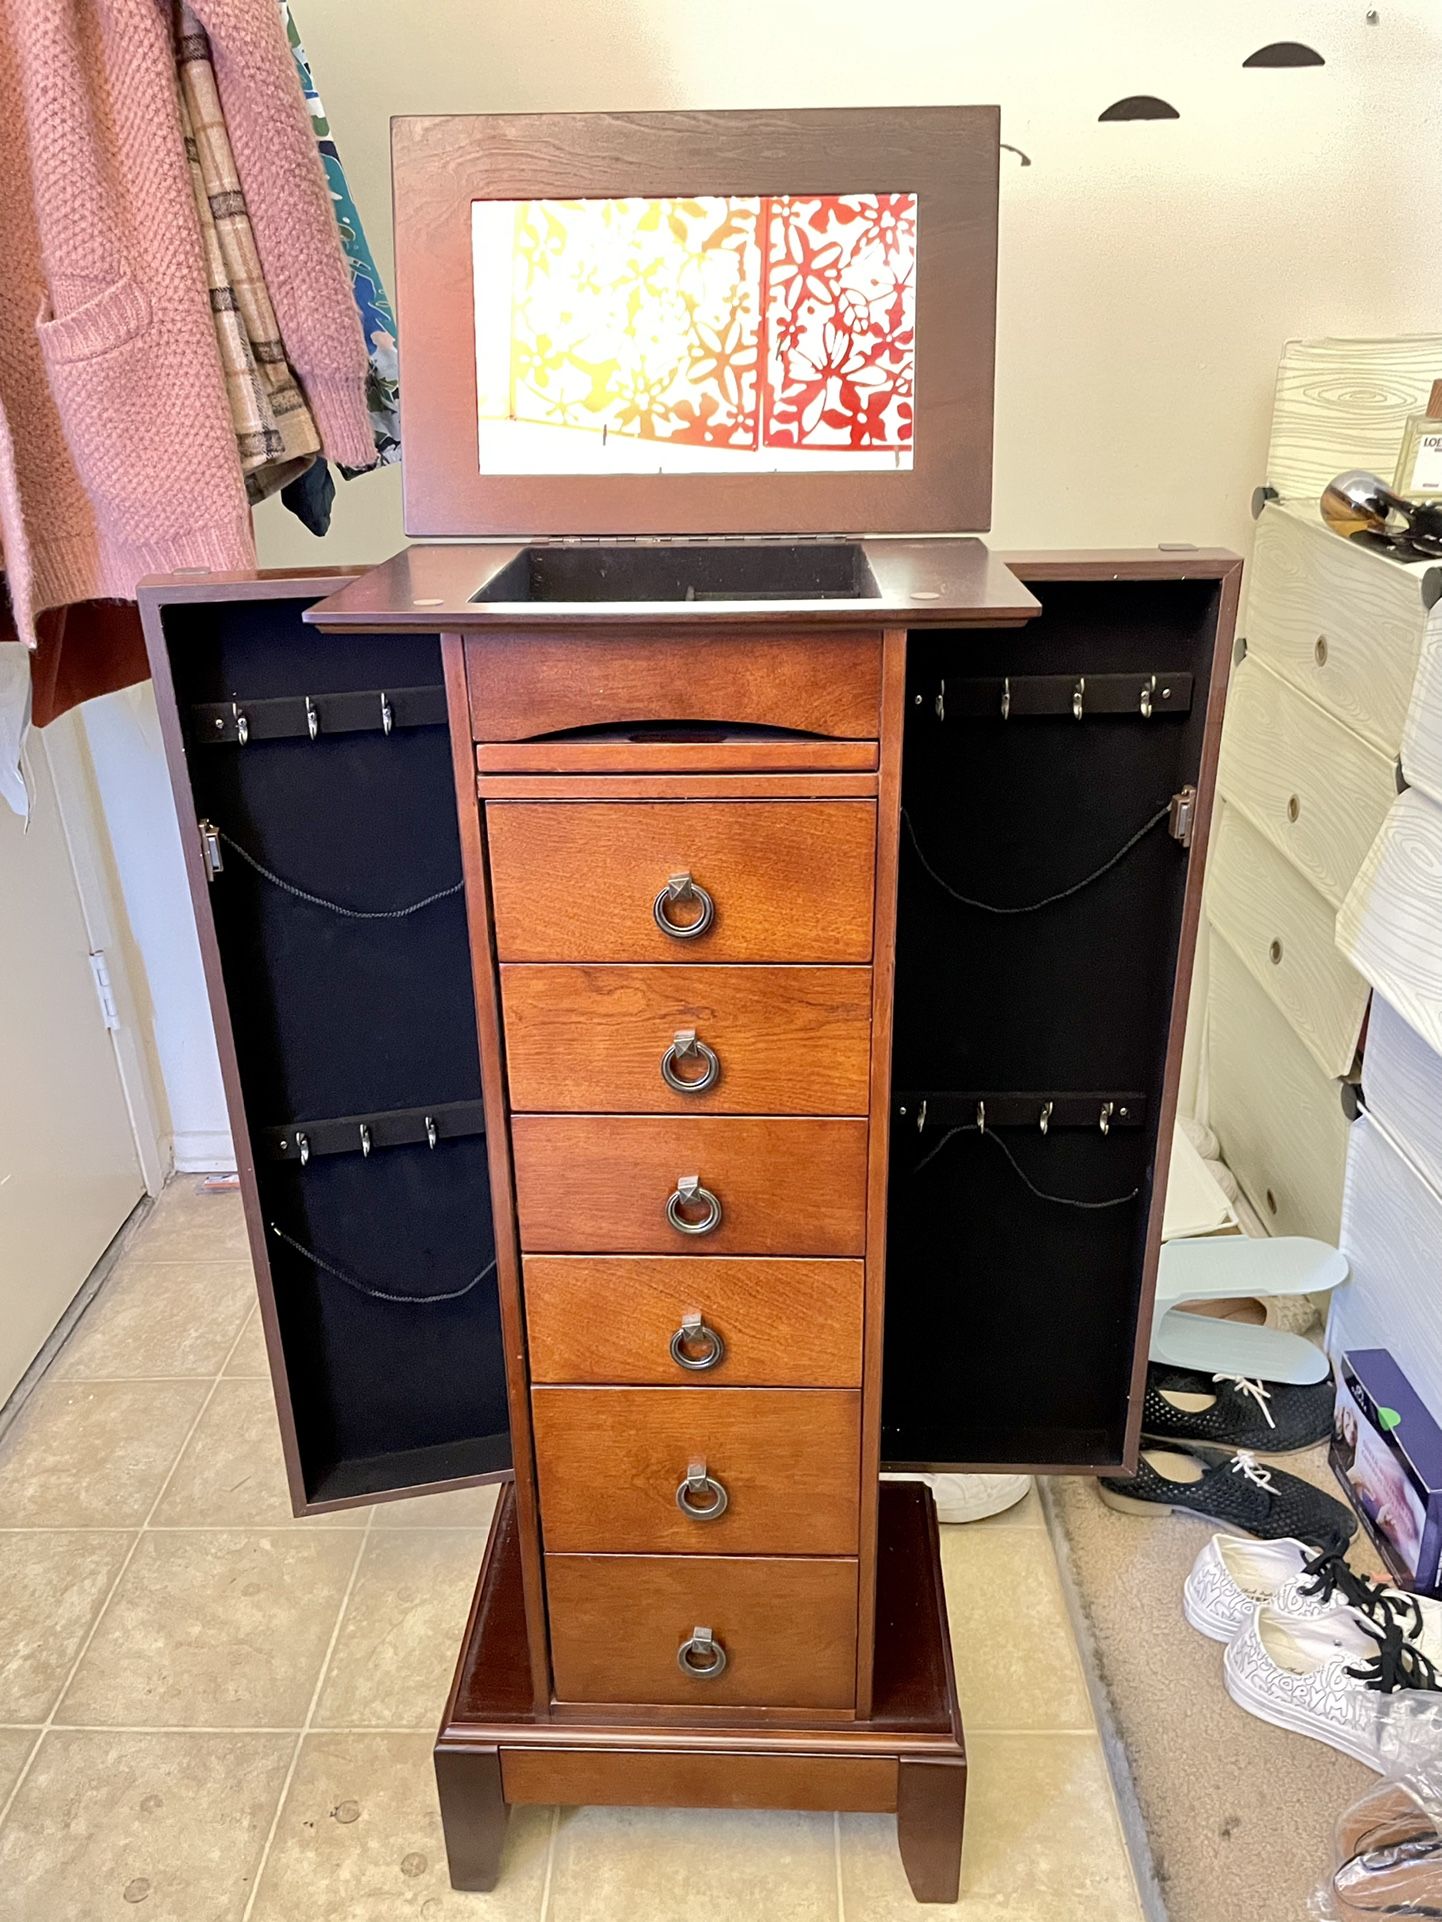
(787, 1628)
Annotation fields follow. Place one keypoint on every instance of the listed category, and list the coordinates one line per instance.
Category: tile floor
(210, 1712)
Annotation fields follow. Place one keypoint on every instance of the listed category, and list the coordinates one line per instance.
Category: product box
(1387, 1453)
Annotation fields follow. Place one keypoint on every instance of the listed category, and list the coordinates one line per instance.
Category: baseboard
(204, 1151)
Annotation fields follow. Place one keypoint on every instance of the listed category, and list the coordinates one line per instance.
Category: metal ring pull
(694, 1333)
(701, 1496)
(686, 1047)
(681, 887)
(690, 1194)
(701, 1656)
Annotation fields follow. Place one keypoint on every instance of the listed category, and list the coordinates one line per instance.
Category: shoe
(1233, 1489)
(1329, 1677)
(1389, 1856)
(1233, 1411)
(971, 1498)
(1233, 1574)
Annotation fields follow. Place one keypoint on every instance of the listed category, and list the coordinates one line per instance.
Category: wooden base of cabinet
(495, 1750)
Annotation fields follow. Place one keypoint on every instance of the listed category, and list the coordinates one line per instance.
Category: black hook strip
(289, 717)
(396, 1128)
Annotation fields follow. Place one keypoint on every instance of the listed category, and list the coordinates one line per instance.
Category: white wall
(1150, 271)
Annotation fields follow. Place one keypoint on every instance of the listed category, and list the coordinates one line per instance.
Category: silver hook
(303, 1143)
(312, 719)
(941, 702)
(1149, 688)
(242, 725)
(921, 1116)
(1046, 1108)
(387, 717)
(365, 1135)
(431, 1136)
(981, 1117)
(1078, 697)
(1006, 698)
(1105, 1121)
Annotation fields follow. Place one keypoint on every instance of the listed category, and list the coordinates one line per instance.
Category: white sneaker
(1233, 1573)
(1296, 1673)
(970, 1498)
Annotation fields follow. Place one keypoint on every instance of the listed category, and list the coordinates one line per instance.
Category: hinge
(104, 993)
(210, 849)
(1182, 818)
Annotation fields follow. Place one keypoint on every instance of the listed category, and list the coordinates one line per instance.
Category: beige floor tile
(232, 1473)
(185, 1226)
(1027, 1513)
(397, 1646)
(250, 1357)
(15, 1747)
(451, 1508)
(168, 1828)
(53, 1583)
(1016, 1659)
(156, 1319)
(359, 1840)
(1042, 1841)
(94, 1454)
(216, 1629)
(703, 1865)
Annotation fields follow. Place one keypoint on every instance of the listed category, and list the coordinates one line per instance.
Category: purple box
(1387, 1454)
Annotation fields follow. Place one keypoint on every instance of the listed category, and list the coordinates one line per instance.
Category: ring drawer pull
(682, 888)
(692, 1333)
(701, 1496)
(689, 1193)
(686, 1047)
(701, 1656)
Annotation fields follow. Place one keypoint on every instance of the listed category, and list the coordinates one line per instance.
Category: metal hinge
(104, 993)
(1182, 819)
(210, 849)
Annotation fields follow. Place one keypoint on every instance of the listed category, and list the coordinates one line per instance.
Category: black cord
(1062, 1201)
(334, 907)
(1030, 907)
(364, 1288)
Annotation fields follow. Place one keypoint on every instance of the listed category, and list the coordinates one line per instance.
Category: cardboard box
(1387, 1453)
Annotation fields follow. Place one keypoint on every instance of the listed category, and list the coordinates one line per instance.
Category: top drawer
(525, 685)
(589, 880)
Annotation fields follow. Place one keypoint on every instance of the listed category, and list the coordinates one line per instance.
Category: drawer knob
(687, 1047)
(689, 1193)
(681, 888)
(701, 1655)
(700, 1495)
(693, 1334)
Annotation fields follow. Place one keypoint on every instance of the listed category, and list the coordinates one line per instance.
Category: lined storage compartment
(325, 858)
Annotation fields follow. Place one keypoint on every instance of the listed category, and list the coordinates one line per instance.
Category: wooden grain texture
(791, 880)
(610, 1460)
(1345, 403)
(1401, 1077)
(819, 784)
(1317, 791)
(1308, 585)
(1422, 736)
(611, 1318)
(600, 1183)
(540, 681)
(788, 1628)
(1284, 932)
(1278, 1116)
(623, 754)
(1390, 925)
(789, 1040)
(676, 1779)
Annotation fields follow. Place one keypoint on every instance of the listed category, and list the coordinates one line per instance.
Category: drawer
(1278, 1116)
(585, 881)
(788, 1629)
(610, 1461)
(1284, 931)
(1390, 925)
(1340, 621)
(773, 1324)
(528, 684)
(601, 1184)
(785, 1040)
(1316, 790)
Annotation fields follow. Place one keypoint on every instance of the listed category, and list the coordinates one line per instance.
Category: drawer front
(524, 685)
(580, 881)
(784, 1040)
(622, 1318)
(1284, 931)
(602, 1184)
(611, 1460)
(788, 1629)
(1278, 1116)
(1317, 791)
(1339, 621)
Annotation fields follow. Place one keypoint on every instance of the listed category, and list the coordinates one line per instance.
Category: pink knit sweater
(117, 456)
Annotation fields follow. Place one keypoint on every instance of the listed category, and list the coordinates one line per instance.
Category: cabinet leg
(930, 1806)
(473, 1816)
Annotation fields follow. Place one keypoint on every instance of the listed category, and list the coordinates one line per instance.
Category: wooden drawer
(786, 1040)
(612, 1318)
(527, 684)
(1316, 790)
(577, 881)
(1340, 621)
(600, 1184)
(610, 1460)
(788, 1629)
(1284, 931)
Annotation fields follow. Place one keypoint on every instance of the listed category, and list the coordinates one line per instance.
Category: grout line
(836, 1861)
(543, 1913)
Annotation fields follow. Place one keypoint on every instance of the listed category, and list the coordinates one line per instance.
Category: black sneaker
(1233, 1411)
(1233, 1489)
